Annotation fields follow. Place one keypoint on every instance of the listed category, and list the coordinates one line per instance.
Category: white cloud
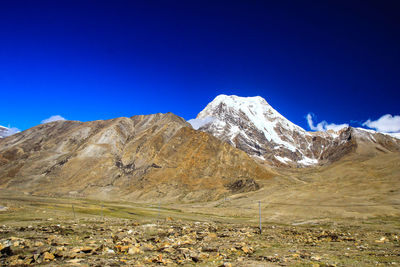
(310, 122)
(7, 131)
(323, 125)
(386, 124)
(198, 123)
(53, 118)
(12, 131)
(397, 135)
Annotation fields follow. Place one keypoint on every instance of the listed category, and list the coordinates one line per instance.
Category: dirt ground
(79, 232)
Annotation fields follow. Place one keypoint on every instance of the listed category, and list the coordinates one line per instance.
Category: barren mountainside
(161, 156)
(141, 157)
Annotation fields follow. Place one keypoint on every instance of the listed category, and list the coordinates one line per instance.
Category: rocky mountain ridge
(162, 156)
(252, 125)
(141, 157)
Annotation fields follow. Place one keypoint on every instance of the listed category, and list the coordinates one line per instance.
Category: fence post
(158, 211)
(73, 210)
(259, 211)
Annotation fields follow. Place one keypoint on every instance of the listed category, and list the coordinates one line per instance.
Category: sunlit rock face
(142, 157)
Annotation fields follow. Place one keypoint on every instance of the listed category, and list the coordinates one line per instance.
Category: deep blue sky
(89, 60)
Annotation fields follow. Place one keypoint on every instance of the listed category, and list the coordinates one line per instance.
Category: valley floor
(81, 232)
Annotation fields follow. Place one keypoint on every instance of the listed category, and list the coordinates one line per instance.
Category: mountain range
(140, 157)
(252, 125)
(235, 145)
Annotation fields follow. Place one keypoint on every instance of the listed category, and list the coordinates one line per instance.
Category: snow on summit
(252, 125)
(258, 112)
(233, 115)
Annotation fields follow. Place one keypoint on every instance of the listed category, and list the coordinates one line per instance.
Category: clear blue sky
(89, 60)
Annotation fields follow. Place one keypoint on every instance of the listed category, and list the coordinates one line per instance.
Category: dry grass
(340, 241)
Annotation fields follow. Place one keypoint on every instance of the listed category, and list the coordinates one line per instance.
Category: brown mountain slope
(360, 142)
(362, 181)
(142, 157)
(356, 186)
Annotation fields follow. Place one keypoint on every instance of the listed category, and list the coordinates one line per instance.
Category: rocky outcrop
(243, 185)
(143, 157)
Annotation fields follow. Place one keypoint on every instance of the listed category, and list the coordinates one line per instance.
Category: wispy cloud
(7, 131)
(386, 124)
(53, 118)
(323, 125)
(198, 123)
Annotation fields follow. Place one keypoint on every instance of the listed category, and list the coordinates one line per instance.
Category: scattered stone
(134, 250)
(85, 249)
(38, 244)
(117, 242)
(110, 251)
(383, 239)
(316, 258)
(75, 261)
(48, 256)
(247, 249)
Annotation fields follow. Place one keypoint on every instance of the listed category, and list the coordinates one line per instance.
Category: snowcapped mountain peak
(248, 112)
(235, 100)
(256, 109)
(253, 125)
(256, 104)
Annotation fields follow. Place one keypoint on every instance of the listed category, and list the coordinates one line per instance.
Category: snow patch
(283, 159)
(366, 130)
(395, 135)
(258, 156)
(308, 161)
